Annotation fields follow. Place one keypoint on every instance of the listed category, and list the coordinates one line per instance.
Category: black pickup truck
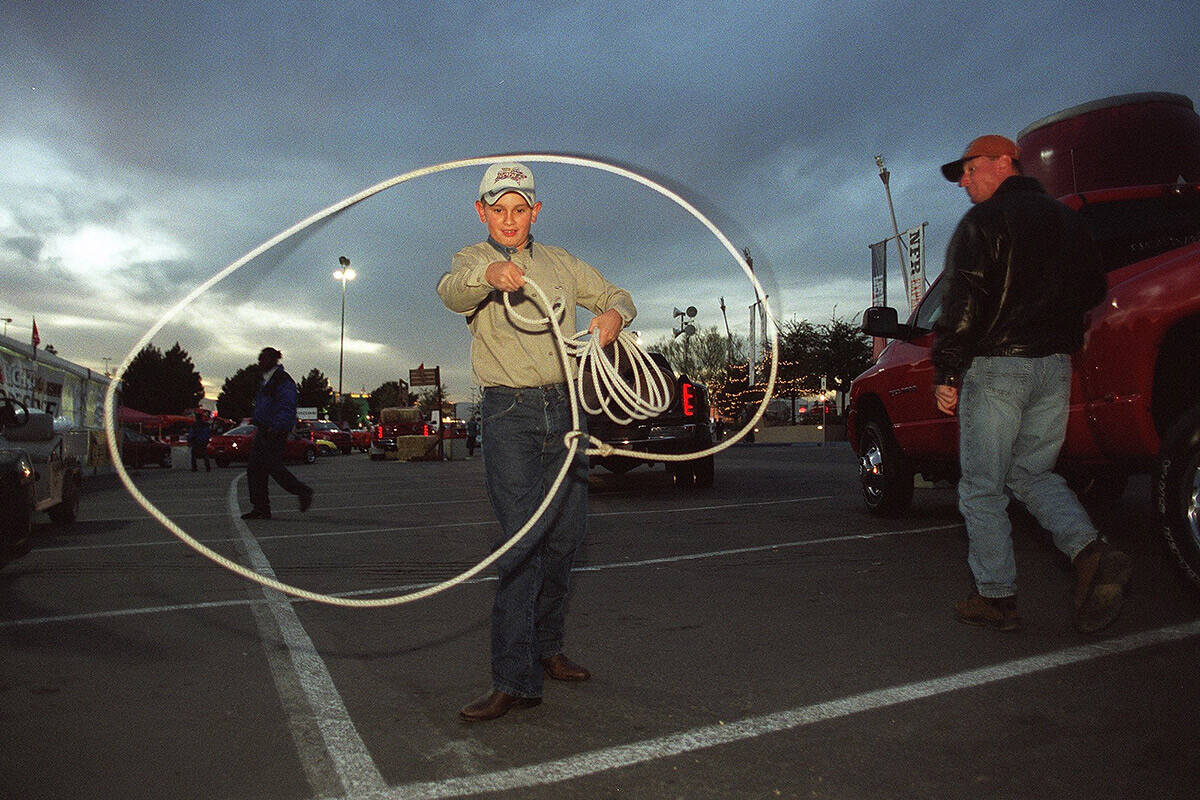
(682, 428)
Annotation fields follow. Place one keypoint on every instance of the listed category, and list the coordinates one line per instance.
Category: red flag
(36, 339)
(422, 365)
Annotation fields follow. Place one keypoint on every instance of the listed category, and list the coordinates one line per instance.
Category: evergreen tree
(388, 395)
(236, 400)
(162, 384)
(182, 384)
(315, 392)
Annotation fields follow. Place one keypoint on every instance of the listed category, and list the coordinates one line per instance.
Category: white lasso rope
(590, 355)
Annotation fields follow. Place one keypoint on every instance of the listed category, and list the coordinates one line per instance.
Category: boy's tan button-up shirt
(504, 350)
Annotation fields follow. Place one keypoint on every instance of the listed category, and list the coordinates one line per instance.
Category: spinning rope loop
(649, 395)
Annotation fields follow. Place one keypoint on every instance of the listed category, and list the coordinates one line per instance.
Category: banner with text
(879, 273)
(914, 238)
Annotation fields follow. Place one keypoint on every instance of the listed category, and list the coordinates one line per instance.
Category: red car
(314, 429)
(235, 445)
(138, 449)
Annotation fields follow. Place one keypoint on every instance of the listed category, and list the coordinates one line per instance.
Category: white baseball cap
(507, 177)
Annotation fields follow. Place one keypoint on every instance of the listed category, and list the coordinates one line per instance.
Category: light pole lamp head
(345, 262)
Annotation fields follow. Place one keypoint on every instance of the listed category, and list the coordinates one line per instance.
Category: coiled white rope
(590, 360)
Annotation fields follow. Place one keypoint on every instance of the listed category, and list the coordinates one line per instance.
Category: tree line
(836, 351)
(168, 383)
(158, 382)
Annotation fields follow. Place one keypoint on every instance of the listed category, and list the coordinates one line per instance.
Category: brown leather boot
(494, 705)
(1101, 578)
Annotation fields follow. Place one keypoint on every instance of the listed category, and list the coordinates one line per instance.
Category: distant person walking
(198, 436)
(1023, 272)
(274, 416)
(472, 432)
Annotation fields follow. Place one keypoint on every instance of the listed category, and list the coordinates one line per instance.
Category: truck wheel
(68, 508)
(702, 472)
(310, 455)
(884, 471)
(1177, 492)
(17, 533)
(165, 461)
(221, 462)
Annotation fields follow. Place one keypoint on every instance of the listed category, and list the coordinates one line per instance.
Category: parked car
(361, 438)
(36, 474)
(138, 449)
(682, 428)
(234, 445)
(316, 429)
(1135, 393)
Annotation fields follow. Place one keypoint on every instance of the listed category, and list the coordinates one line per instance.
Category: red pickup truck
(1131, 166)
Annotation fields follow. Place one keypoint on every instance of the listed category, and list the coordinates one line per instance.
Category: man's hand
(606, 327)
(505, 276)
(947, 398)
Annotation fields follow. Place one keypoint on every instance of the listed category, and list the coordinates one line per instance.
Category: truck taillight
(688, 395)
(378, 431)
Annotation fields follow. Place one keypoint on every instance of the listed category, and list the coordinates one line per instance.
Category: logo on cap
(514, 174)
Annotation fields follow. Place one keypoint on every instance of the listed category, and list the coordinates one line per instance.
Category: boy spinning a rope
(525, 414)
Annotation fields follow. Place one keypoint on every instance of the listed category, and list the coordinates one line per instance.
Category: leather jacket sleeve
(958, 323)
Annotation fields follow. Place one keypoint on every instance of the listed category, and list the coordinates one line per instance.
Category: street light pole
(343, 274)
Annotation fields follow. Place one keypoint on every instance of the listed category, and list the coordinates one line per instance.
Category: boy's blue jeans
(1012, 420)
(523, 451)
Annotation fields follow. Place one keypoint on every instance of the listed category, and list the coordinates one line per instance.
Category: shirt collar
(509, 252)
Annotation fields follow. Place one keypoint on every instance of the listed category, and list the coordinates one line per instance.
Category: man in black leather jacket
(1023, 272)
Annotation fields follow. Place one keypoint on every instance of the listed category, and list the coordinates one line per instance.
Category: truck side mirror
(882, 321)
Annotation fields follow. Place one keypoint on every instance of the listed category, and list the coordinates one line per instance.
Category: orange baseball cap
(990, 145)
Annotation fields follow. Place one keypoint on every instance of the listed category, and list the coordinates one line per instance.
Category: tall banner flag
(35, 340)
(879, 273)
(915, 274)
(878, 288)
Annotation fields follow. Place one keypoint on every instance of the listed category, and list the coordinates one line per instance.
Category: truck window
(1139, 228)
(931, 305)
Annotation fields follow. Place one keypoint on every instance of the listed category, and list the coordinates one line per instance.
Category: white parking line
(332, 753)
(626, 755)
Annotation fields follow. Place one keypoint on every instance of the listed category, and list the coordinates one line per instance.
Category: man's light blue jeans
(1012, 418)
(523, 451)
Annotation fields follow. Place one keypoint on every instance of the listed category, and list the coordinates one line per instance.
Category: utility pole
(885, 176)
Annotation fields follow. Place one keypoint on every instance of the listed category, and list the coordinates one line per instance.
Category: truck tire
(16, 530)
(884, 471)
(68, 508)
(1177, 492)
(703, 472)
(310, 455)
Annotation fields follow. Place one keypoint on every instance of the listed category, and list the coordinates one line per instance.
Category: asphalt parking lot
(765, 638)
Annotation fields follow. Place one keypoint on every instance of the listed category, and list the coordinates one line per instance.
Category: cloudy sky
(151, 144)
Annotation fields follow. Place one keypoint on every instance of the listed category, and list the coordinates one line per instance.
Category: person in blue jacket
(198, 436)
(274, 416)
